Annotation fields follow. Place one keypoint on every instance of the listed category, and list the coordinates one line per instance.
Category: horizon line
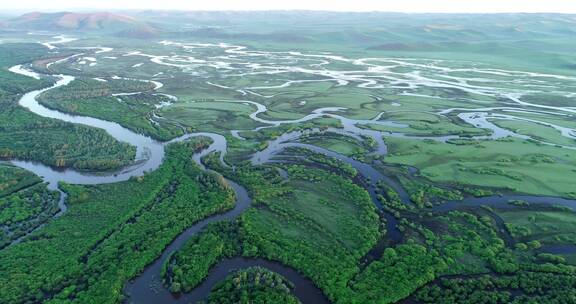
(74, 10)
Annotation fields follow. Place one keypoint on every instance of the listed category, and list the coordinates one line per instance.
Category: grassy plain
(518, 165)
(536, 131)
(548, 227)
(212, 116)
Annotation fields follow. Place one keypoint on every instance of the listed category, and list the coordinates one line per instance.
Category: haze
(417, 6)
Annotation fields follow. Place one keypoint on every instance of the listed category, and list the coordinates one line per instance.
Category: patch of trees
(490, 171)
(191, 264)
(24, 210)
(522, 287)
(424, 194)
(390, 200)
(319, 158)
(396, 275)
(135, 112)
(82, 88)
(13, 179)
(475, 191)
(24, 135)
(253, 285)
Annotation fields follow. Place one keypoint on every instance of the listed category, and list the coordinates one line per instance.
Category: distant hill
(62, 21)
(215, 33)
(140, 31)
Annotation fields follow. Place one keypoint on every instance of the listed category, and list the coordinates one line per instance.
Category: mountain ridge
(76, 21)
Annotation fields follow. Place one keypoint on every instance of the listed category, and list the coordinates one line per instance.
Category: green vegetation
(253, 285)
(94, 98)
(513, 164)
(25, 204)
(310, 212)
(24, 135)
(191, 264)
(110, 233)
(313, 158)
(318, 223)
(425, 194)
(13, 179)
(427, 124)
(25, 210)
(534, 287)
(396, 274)
(12, 54)
(342, 144)
(457, 242)
(544, 226)
(537, 131)
(254, 141)
(211, 116)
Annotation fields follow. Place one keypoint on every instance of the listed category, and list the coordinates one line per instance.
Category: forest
(27, 136)
(110, 233)
(253, 285)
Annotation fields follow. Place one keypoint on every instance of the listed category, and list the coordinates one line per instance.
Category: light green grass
(516, 164)
(549, 227)
(341, 144)
(536, 131)
(212, 115)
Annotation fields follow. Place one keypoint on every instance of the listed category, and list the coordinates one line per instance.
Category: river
(150, 154)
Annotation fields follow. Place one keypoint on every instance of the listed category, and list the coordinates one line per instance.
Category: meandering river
(147, 288)
(150, 154)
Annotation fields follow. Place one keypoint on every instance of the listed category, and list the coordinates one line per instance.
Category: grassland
(425, 124)
(513, 164)
(548, 227)
(339, 143)
(211, 116)
(537, 131)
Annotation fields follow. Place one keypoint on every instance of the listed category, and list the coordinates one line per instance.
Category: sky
(415, 6)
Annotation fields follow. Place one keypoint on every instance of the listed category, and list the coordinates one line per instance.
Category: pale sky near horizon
(415, 6)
